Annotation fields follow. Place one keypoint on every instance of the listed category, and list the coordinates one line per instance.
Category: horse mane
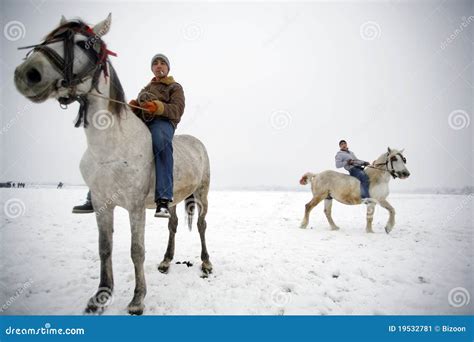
(75, 24)
(384, 156)
(116, 92)
(381, 158)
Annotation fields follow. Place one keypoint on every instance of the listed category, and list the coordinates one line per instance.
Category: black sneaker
(85, 208)
(162, 209)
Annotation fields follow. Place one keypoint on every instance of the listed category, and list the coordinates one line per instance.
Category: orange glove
(134, 109)
(150, 107)
(134, 103)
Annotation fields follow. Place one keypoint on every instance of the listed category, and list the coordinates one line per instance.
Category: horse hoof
(164, 267)
(98, 302)
(91, 309)
(136, 309)
(94, 309)
(335, 228)
(388, 230)
(206, 267)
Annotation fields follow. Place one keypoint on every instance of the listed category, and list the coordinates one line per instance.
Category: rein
(112, 100)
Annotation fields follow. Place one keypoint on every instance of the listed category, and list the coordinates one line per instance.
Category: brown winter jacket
(168, 96)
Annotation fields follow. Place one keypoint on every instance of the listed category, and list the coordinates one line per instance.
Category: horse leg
(164, 266)
(370, 216)
(391, 219)
(103, 296)
(327, 211)
(308, 207)
(201, 196)
(137, 224)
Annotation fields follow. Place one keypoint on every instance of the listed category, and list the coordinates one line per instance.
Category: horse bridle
(389, 160)
(97, 54)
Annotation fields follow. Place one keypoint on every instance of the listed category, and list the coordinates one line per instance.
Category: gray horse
(72, 65)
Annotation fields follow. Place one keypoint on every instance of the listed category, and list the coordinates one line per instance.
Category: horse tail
(190, 208)
(307, 177)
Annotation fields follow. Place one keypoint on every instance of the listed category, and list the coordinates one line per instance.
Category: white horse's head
(66, 64)
(396, 163)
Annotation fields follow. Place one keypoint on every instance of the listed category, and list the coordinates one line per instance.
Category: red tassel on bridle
(104, 52)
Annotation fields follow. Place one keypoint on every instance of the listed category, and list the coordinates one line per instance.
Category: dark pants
(162, 132)
(359, 173)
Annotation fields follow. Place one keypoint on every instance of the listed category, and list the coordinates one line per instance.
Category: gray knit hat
(162, 57)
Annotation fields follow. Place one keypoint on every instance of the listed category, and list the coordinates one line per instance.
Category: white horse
(329, 185)
(72, 65)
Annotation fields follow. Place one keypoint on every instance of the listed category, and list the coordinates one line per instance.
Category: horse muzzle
(31, 84)
(403, 174)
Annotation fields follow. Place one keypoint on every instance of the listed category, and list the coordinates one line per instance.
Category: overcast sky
(270, 87)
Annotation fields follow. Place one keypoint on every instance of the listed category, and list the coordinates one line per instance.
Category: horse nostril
(33, 76)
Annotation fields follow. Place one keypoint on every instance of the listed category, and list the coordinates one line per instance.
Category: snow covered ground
(263, 263)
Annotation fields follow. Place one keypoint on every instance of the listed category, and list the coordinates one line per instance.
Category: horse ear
(63, 20)
(103, 27)
(402, 150)
(389, 150)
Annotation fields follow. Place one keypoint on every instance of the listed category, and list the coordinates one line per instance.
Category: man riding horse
(348, 160)
(162, 103)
